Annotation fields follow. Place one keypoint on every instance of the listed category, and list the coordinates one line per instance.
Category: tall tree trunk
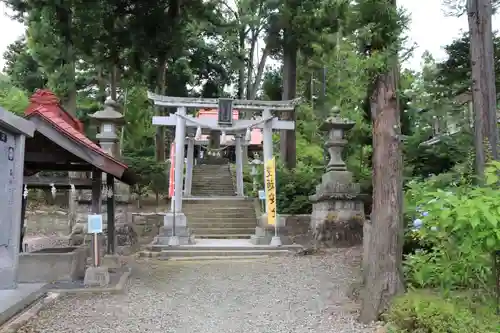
(101, 85)
(383, 276)
(241, 71)
(287, 138)
(113, 83)
(66, 19)
(483, 82)
(251, 55)
(160, 130)
(260, 72)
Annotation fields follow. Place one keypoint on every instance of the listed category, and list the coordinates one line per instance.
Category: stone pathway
(274, 295)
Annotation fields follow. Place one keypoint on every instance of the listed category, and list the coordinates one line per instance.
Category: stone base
(180, 235)
(264, 236)
(111, 261)
(96, 276)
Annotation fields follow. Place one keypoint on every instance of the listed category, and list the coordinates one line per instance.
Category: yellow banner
(270, 186)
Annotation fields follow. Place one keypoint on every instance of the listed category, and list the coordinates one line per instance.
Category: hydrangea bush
(461, 226)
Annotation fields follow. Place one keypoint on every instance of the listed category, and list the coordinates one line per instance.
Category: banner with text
(270, 178)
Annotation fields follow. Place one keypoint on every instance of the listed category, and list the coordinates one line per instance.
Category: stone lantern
(338, 210)
(255, 172)
(109, 119)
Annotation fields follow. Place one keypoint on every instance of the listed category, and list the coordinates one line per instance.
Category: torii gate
(224, 123)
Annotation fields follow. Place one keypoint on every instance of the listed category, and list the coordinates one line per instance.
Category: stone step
(220, 252)
(223, 224)
(214, 212)
(213, 188)
(220, 231)
(212, 194)
(228, 201)
(212, 183)
(209, 214)
(237, 258)
(222, 245)
(223, 236)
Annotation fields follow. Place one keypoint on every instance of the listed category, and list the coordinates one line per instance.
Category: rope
(214, 149)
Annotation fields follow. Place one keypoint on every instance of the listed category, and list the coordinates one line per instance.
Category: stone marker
(97, 276)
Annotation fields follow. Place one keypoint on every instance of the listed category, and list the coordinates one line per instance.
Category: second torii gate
(224, 123)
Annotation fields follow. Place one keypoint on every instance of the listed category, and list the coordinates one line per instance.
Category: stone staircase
(212, 181)
(221, 218)
(221, 222)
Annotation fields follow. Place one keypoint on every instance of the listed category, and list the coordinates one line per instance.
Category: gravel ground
(275, 295)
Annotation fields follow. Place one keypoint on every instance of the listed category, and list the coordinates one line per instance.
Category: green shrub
(293, 187)
(153, 175)
(427, 312)
(461, 225)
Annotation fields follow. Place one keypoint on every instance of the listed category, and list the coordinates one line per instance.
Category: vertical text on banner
(270, 178)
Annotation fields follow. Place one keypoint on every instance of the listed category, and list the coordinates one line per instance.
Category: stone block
(174, 226)
(264, 236)
(97, 276)
(112, 261)
(280, 222)
(52, 264)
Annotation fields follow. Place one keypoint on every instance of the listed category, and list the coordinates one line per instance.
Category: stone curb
(22, 318)
(148, 254)
(117, 289)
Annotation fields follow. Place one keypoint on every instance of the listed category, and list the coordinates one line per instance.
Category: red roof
(256, 133)
(46, 105)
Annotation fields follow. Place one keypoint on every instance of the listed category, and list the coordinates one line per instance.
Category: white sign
(94, 224)
(262, 195)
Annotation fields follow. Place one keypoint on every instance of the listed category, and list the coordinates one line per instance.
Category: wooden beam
(239, 104)
(58, 182)
(57, 167)
(213, 123)
(50, 157)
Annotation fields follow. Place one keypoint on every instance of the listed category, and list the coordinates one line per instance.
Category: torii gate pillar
(175, 231)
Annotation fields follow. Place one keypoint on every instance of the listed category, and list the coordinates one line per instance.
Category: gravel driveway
(274, 295)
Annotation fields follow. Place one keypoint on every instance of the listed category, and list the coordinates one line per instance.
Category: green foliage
(427, 312)
(461, 224)
(153, 176)
(12, 98)
(293, 187)
(22, 69)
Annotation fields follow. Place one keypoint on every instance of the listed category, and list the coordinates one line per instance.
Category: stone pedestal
(264, 232)
(181, 236)
(338, 210)
(96, 276)
(112, 261)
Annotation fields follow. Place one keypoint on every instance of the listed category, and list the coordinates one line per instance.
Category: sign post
(94, 227)
(96, 275)
(270, 185)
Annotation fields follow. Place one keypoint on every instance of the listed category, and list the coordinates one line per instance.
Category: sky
(430, 29)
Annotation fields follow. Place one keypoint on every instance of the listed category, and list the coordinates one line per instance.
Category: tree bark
(241, 71)
(160, 130)
(260, 72)
(287, 137)
(483, 82)
(253, 44)
(383, 278)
